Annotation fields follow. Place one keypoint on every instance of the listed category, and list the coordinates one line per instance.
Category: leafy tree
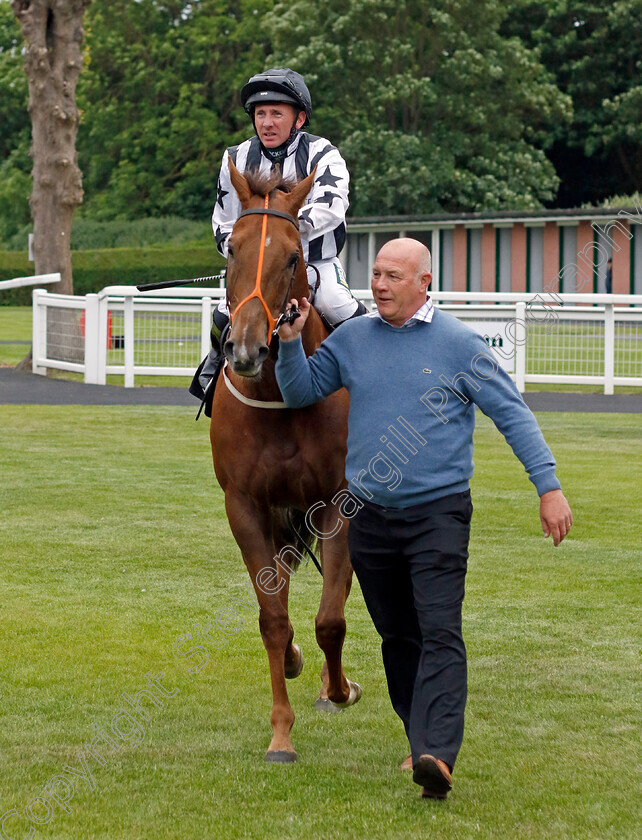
(595, 51)
(15, 163)
(432, 106)
(160, 100)
(52, 32)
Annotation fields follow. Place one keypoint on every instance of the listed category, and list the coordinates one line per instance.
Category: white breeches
(333, 298)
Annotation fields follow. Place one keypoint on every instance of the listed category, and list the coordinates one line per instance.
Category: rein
(257, 293)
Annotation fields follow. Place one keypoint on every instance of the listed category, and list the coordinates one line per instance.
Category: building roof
(570, 216)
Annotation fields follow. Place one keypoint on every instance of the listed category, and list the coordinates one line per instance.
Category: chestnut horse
(273, 463)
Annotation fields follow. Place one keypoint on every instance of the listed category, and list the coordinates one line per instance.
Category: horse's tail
(299, 537)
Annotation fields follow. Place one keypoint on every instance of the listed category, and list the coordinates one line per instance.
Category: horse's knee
(330, 631)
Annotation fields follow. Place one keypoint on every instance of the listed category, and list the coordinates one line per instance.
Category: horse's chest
(285, 472)
(284, 462)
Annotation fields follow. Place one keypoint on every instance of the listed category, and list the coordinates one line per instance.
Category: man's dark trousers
(411, 565)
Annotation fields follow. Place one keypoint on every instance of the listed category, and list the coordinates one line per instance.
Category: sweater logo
(427, 370)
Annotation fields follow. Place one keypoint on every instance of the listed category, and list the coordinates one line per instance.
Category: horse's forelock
(263, 185)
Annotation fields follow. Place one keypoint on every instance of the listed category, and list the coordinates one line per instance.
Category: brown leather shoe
(434, 775)
(407, 763)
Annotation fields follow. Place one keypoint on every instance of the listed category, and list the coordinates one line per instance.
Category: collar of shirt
(424, 314)
(277, 156)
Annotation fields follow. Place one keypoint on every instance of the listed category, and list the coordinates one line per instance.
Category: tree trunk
(52, 31)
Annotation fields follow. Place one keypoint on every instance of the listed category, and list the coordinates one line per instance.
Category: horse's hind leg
(330, 621)
(251, 529)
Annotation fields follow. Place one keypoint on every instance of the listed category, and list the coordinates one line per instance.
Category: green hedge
(90, 235)
(93, 270)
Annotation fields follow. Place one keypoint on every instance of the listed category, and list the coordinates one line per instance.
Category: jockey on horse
(280, 106)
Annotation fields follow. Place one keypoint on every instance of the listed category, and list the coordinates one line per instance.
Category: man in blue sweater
(415, 374)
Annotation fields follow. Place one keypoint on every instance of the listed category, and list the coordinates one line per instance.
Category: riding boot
(204, 380)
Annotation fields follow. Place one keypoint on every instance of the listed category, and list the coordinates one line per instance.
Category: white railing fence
(123, 332)
(33, 280)
(557, 339)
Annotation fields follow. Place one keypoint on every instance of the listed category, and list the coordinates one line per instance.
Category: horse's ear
(240, 184)
(299, 193)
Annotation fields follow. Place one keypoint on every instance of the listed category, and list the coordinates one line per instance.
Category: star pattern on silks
(326, 198)
(328, 179)
(220, 194)
(305, 215)
(219, 235)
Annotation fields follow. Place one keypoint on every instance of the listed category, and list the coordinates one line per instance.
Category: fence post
(206, 326)
(92, 337)
(38, 331)
(609, 348)
(128, 307)
(102, 340)
(372, 254)
(520, 347)
(435, 250)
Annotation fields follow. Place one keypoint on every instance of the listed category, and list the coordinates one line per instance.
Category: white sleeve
(226, 208)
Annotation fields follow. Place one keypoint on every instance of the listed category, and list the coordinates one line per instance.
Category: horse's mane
(263, 185)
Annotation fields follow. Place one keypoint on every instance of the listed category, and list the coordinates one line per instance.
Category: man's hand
(555, 515)
(288, 332)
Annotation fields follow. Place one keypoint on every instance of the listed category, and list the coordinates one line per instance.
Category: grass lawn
(114, 543)
(15, 334)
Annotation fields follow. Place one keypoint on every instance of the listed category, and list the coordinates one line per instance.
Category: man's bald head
(401, 279)
(410, 250)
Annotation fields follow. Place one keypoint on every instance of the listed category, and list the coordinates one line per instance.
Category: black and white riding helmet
(278, 85)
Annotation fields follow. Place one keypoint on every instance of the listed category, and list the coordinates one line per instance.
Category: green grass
(15, 329)
(114, 542)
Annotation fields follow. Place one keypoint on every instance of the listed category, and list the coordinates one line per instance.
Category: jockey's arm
(227, 207)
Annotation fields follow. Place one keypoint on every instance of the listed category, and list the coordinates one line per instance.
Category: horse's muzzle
(245, 361)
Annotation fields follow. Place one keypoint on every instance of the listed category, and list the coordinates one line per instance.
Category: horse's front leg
(252, 531)
(330, 621)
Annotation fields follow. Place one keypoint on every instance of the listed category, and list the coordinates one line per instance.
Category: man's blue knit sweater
(412, 395)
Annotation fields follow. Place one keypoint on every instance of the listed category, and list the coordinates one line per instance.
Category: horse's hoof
(281, 756)
(324, 704)
(292, 671)
(355, 695)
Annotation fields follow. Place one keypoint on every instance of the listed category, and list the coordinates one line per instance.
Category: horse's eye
(294, 260)
(230, 252)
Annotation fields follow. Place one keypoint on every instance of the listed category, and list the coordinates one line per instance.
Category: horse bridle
(273, 323)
